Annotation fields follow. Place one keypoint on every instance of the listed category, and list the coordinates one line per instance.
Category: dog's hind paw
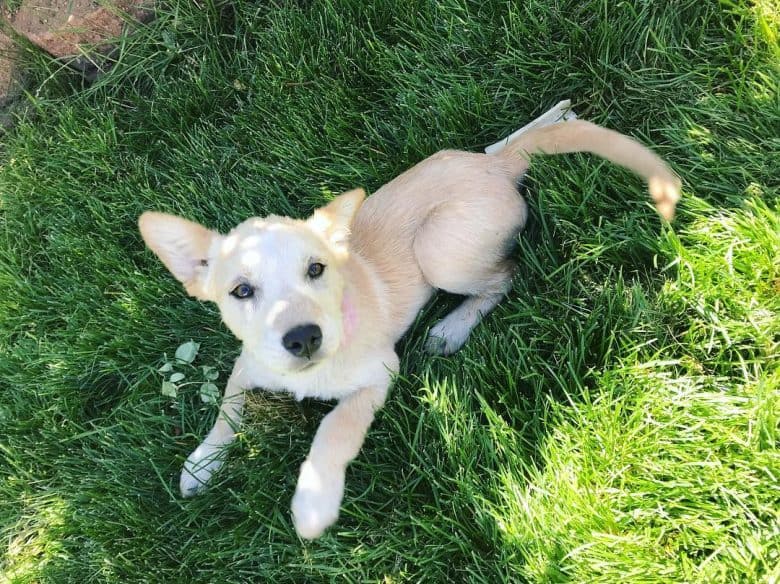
(435, 345)
(450, 333)
(446, 337)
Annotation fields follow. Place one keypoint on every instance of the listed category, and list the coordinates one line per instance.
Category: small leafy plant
(177, 369)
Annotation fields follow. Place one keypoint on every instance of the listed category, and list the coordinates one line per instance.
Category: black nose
(303, 341)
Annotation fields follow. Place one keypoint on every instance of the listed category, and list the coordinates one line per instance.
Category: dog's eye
(315, 270)
(242, 291)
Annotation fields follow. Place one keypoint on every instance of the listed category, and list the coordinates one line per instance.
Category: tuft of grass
(614, 420)
(8, 7)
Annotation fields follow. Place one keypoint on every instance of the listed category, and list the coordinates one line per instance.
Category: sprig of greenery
(177, 369)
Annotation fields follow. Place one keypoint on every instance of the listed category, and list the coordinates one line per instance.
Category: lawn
(616, 419)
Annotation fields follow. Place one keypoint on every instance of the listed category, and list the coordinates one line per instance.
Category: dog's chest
(334, 379)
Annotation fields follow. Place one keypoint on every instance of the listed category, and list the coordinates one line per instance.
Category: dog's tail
(582, 136)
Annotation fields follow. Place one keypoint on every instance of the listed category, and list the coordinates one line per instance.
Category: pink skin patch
(349, 318)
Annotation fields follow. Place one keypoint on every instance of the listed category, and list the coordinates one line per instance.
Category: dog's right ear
(183, 246)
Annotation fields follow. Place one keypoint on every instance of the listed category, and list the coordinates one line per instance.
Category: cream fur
(445, 223)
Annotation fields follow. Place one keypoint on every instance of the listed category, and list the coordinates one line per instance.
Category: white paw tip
(311, 523)
(445, 341)
(436, 345)
(189, 486)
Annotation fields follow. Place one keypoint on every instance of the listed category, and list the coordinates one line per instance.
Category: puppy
(319, 304)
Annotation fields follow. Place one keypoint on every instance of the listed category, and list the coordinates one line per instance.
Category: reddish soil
(63, 28)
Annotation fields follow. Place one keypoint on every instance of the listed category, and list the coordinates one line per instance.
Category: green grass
(615, 420)
(10, 6)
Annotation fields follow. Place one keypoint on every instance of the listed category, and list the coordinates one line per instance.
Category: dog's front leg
(206, 459)
(320, 489)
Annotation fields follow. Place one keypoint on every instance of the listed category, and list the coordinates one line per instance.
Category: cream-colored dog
(319, 304)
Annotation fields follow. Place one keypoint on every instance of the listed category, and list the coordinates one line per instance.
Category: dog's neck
(349, 316)
(363, 304)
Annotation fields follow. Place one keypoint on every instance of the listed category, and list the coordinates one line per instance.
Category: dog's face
(277, 281)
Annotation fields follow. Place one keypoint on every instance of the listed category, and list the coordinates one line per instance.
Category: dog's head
(277, 281)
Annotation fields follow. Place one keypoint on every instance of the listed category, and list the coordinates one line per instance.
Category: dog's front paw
(198, 468)
(317, 499)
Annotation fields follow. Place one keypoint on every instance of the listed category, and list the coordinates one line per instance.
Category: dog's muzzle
(303, 341)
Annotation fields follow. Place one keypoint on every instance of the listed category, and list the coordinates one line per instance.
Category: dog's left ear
(335, 218)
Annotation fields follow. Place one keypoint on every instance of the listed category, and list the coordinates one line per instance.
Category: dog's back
(448, 221)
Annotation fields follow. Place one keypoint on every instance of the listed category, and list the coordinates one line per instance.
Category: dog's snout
(303, 340)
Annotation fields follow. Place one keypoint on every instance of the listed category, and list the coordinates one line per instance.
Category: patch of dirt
(63, 28)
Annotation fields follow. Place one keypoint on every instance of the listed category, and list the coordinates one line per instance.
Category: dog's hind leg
(449, 334)
(463, 248)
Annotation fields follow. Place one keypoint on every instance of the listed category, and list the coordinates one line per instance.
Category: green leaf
(209, 393)
(176, 377)
(168, 389)
(187, 351)
(169, 40)
(168, 366)
(210, 372)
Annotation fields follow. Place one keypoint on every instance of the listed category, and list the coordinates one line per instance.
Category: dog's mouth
(309, 364)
